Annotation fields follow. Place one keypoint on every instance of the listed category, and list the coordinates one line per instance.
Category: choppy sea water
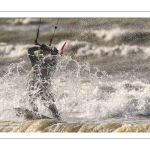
(98, 88)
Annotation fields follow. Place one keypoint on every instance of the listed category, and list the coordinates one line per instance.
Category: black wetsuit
(42, 69)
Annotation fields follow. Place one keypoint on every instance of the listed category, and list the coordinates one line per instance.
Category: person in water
(43, 60)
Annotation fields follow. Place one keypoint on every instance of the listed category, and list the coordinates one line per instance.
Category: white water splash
(80, 94)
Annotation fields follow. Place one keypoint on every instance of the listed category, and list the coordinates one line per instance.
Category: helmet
(54, 51)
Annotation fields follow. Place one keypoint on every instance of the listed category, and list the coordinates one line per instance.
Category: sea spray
(79, 91)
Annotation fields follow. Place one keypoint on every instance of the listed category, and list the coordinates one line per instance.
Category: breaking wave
(80, 49)
(55, 126)
(123, 36)
(9, 51)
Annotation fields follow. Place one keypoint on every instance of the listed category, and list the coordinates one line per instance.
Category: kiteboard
(29, 115)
